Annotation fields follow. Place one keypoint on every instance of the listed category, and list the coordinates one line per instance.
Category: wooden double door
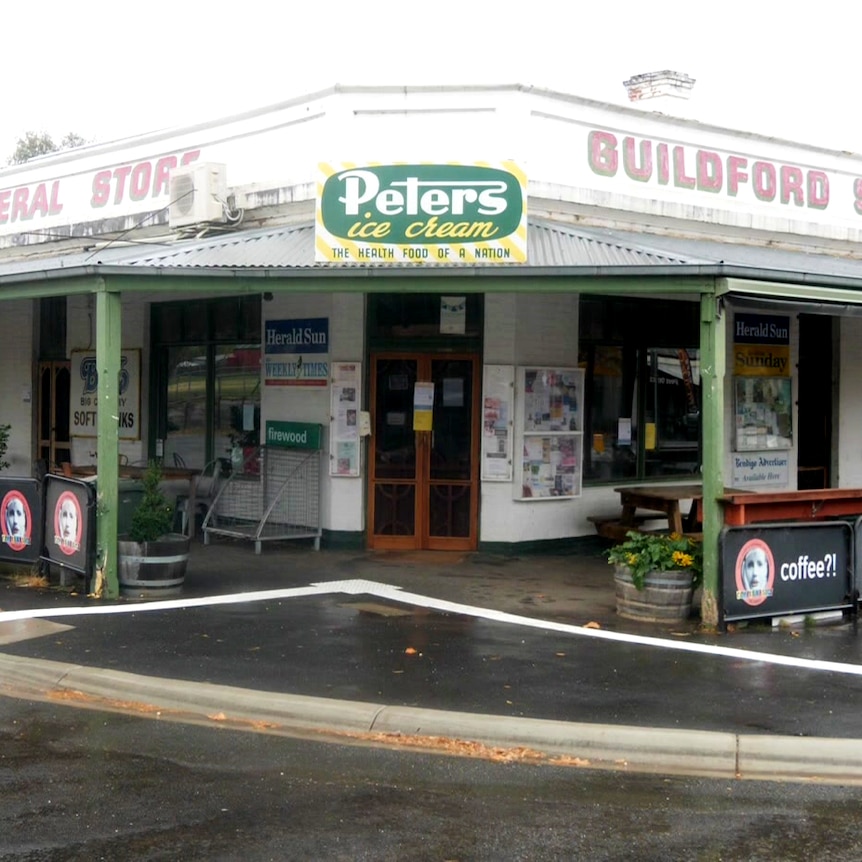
(424, 484)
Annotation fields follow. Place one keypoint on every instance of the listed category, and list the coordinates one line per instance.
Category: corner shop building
(672, 302)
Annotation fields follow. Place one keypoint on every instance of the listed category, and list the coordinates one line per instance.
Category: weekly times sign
(431, 214)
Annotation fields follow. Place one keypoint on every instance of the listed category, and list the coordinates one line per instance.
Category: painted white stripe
(396, 594)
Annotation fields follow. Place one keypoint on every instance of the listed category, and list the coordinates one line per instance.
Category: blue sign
(760, 329)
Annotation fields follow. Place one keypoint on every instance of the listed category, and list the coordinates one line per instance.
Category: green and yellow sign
(421, 213)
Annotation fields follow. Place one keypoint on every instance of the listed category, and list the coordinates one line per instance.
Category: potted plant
(655, 575)
(151, 558)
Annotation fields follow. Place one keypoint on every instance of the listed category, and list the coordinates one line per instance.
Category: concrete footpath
(522, 654)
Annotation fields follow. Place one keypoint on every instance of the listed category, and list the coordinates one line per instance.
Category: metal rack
(274, 496)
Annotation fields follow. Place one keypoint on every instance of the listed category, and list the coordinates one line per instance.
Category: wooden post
(712, 368)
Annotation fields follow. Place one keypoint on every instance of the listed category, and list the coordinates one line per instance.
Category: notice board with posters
(787, 568)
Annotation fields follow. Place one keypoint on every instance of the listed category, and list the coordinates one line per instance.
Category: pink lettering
(680, 178)
(140, 183)
(19, 203)
(55, 207)
(736, 174)
(710, 175)
(162, 175)
(641, 172)
(791, 185)
(120, 175)
(663, 164)
(818, 190)
(101, 189)
(765, 184)
(39, 204)
(194, 155)
(4, 206)
(602, 149)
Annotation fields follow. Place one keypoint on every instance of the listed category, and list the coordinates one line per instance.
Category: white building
(566, 356)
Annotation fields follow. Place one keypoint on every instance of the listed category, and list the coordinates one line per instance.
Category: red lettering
(140, 184)
(765, 184)
(101, 189)
(680, 178)
(857, 193)
(191, 156)
(4, 205)
(735, 174)
(710, 175)
(162, 175)
(602, 149)
(641, 172)
(791, 184)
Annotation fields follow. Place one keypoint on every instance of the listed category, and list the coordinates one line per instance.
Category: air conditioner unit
(197, 193)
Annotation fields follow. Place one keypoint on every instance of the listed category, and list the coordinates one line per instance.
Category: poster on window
(497, 391)
(762, 413)
(344, 436)
(84, 394)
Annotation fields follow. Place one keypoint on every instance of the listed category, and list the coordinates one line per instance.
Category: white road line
(396, 594)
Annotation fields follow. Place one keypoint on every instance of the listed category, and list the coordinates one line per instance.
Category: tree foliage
(32, 144)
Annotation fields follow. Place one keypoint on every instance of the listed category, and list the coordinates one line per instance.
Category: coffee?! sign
(422, 213)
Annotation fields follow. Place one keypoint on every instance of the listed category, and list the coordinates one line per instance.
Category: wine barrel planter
(153, 568)
(665, 598)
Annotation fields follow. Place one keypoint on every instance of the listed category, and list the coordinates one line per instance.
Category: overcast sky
(108, 70)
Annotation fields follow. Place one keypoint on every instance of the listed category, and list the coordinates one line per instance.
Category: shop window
(643, 389)
(207, 386)
(429, 318)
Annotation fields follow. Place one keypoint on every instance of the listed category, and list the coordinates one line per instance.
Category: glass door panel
(186, 430)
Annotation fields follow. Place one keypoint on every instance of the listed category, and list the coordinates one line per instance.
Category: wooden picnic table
(664, 500)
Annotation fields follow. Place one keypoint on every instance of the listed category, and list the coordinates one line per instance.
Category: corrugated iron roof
(548, 244)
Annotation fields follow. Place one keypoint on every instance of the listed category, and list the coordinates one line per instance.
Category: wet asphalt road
(354, 648)
(81, 784)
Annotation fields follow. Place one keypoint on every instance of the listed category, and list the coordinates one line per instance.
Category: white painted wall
(528, 329)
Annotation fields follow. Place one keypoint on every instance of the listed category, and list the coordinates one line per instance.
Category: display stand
(281, 501)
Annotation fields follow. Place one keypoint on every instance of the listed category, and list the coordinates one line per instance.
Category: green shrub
(154, 515)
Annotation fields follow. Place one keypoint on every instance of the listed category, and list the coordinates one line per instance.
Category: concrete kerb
(637, 749)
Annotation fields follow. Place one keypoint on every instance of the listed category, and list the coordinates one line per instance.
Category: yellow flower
(682, 560)
(632, 559)
(675, 537)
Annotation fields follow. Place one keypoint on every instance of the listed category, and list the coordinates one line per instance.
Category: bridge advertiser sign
(421, 214)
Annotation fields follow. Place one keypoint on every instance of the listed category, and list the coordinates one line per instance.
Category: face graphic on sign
(755, 572)
(16, 521)
(67, 523)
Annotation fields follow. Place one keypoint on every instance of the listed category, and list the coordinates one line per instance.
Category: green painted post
(108, 352)
(712, 368)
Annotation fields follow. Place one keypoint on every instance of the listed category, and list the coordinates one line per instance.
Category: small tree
(154, 516)
(4, 443)
(32, 144)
